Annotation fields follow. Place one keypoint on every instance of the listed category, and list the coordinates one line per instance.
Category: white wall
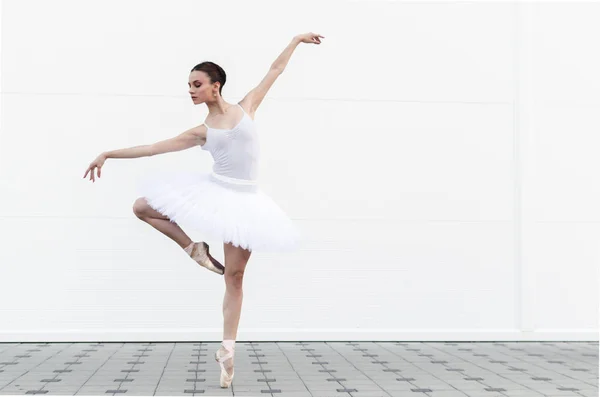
(557, 122)
(438, 158)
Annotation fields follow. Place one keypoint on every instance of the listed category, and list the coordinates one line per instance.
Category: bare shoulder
(199, 130)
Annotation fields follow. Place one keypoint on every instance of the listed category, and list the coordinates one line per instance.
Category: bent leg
(143, 211)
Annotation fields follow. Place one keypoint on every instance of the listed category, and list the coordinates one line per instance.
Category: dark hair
(214, 72)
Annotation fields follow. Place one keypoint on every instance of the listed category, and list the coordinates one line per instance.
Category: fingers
(317, 38)
(90, 171)
(312, 37)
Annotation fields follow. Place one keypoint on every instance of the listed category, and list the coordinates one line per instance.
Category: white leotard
(235, 151)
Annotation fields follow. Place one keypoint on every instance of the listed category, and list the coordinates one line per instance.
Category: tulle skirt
(230, 210)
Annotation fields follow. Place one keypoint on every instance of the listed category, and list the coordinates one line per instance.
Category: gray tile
(355, 369)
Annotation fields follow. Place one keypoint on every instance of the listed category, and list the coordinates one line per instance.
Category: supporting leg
(236, 259)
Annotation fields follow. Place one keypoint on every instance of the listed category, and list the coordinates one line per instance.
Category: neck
(218, 106)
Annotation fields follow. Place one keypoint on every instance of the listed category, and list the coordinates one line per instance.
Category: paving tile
(316, 369)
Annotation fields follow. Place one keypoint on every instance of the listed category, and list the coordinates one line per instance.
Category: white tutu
(229, 211)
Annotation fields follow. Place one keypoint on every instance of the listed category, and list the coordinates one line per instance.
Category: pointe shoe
(226, 379)
(200, 253)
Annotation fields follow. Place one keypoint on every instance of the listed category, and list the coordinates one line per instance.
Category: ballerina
(226, 203)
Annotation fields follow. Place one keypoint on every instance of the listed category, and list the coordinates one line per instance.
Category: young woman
(226, 203)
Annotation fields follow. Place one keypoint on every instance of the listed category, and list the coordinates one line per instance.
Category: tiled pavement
(294, 369)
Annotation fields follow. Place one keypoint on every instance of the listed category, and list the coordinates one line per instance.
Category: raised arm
(257, 94)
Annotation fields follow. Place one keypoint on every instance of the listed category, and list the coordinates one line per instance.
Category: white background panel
(565, 290)
(560, 193)
(409, 51)
(563, 167)
(346, 278)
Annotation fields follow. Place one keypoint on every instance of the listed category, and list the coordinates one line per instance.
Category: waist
(234, 181)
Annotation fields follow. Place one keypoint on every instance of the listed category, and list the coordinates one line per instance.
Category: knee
(234, 280)
(140, 207)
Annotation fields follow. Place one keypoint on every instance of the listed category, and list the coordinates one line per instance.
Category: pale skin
(222, 115)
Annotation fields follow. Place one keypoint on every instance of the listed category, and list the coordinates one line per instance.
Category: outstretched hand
(97, 163)
(310, 38)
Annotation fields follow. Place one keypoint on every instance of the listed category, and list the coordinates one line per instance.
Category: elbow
(152, 150)
(167, 146)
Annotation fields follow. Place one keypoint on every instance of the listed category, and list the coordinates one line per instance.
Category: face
(200, 88)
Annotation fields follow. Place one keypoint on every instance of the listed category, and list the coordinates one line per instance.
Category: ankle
(189, 248)
(228, 344)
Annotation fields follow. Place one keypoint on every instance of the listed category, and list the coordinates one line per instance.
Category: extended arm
(185, 140)
(282, 60)
(192, 137)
